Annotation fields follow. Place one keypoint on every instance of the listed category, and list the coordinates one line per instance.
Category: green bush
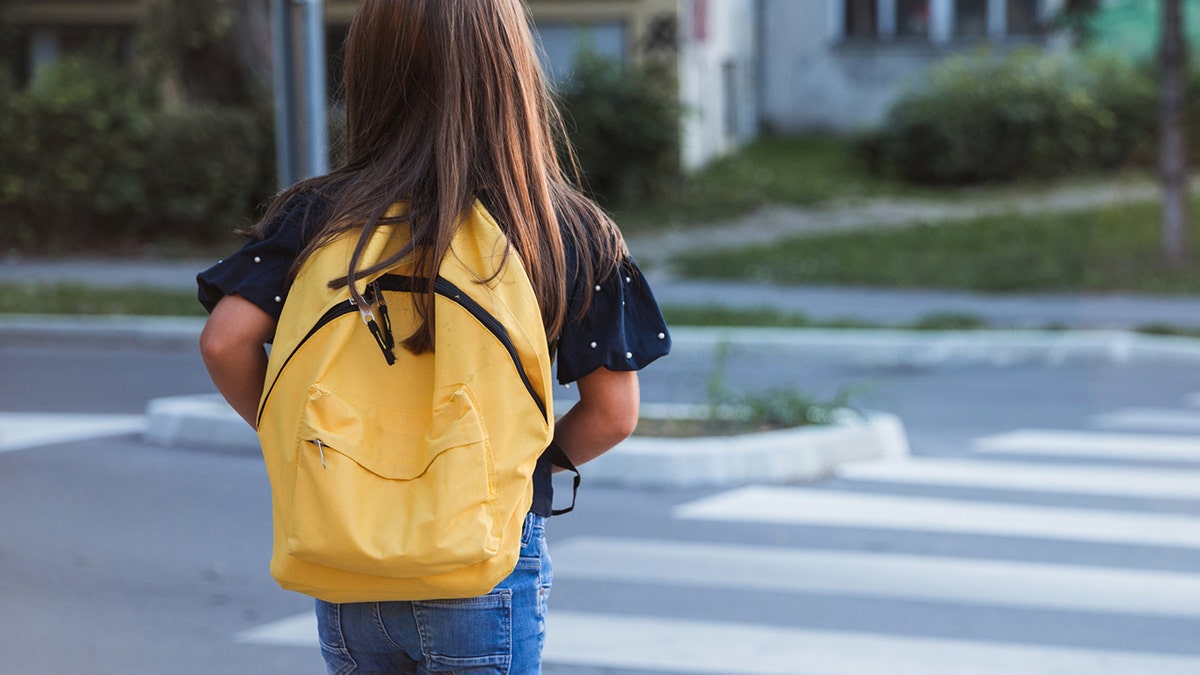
(207, 171)
(1030, 113)
(88, 161)
(624, 122)
(72, 153)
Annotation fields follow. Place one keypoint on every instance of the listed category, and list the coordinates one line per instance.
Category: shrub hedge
(88, 160)
(624, 122)
(1030, 113)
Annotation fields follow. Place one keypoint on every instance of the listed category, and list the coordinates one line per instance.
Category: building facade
(837, 65)
(713, 44)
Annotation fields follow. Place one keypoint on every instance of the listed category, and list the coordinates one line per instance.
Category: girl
(446, 104)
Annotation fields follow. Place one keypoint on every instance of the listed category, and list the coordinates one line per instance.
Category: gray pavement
(180, 421)
(820, 303)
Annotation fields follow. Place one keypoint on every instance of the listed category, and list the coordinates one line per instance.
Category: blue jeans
(498, 633)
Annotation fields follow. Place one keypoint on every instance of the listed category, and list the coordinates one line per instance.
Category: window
(561, 41)
(1022, 16)
(970, 18)
(862, 19)
(937, 21)
(912, 18)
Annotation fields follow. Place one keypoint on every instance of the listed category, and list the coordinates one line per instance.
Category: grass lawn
(769, 317)
(34, 298)
(1106, 249)
(804, 171)
(773, 170)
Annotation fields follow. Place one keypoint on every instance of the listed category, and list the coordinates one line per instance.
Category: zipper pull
(382, 338)
(321, 449)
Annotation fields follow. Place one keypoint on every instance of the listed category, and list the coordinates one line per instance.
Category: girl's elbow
(212, 346)
(218, 346)
(623, 421)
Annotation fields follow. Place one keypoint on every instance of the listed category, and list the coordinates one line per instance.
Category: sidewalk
(895, 307)
(869, 305)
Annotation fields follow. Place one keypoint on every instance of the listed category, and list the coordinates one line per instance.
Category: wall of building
(712, 43)
(813, 81)
(816, 78)
(718, 77)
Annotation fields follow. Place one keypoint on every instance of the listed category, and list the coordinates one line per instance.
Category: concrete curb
(141, 330)
(867, 347)
(913, 348)
(782, 456)
(203, 421)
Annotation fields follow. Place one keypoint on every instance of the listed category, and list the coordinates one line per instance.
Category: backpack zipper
(407, 284)
(395, 282)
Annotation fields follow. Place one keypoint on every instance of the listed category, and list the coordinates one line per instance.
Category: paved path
(778, 222)
(883, 306)
(820, 303)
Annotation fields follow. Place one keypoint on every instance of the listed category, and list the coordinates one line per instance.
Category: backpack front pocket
(393, 493)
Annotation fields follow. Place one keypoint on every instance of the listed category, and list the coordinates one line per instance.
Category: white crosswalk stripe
(687, 646)
(1037, 477)
(21, 431)
(1093, 445)
(884, 575)
(1156, 419)
(799, 506)
(581, 636)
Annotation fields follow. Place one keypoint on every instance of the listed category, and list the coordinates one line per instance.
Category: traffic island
(778, 456)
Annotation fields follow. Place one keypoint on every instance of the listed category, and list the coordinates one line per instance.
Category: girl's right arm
(233, 347)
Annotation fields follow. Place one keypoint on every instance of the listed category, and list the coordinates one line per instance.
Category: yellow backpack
(407, 480)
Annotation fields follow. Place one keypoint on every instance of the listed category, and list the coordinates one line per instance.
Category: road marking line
(676, 645)
(1093, 444)
(1149, 419)
(20, 431)
(646, 643)
(799, 506)
(295, 631)
(1036, 477)
(879, 575)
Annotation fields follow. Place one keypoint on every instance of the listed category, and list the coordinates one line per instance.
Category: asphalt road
(121, 557)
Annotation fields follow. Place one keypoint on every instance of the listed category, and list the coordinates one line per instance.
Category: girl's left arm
(232, 345)
(605, 415)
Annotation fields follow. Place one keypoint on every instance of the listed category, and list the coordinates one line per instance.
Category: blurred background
(932, 405)
(686, 114)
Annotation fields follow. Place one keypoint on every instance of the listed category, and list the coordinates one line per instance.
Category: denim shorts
(494, 634)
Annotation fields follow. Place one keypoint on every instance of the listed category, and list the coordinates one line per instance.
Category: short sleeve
(259, 270)
(622, 330)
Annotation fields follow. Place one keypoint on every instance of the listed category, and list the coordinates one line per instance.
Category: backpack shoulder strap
(559, 458)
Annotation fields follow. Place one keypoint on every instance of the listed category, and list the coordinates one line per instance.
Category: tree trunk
(1173, 157)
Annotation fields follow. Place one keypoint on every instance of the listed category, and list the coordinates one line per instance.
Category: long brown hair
(446, 102)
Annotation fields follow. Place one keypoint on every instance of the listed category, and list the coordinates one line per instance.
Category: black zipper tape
(395, 282)
(406, 284)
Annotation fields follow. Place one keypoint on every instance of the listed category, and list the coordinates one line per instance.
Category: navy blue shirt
(622, 330)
